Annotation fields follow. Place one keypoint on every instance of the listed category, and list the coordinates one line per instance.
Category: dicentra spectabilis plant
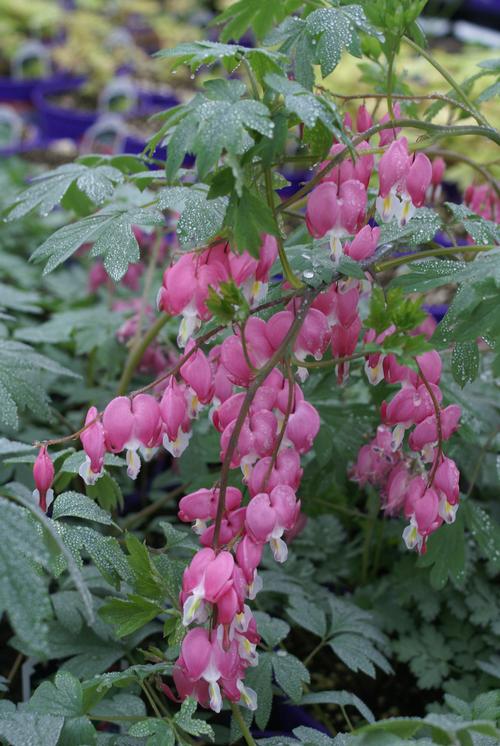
(271, 304)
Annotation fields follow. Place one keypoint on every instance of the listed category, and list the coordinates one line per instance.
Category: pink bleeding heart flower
(303, 426)
(269, 515)
(205, 580)
(323, 209)
(438, 169)
(43, 474)
(257, 439)
(424, 520)
(206, 670)
(266, 475)
(201, 506)
(426, 432)
(363, 244)
(132, 424)
(231, 526)
(388, 135)
(431, 365)
(197, 373)
(344, 341)
(248, 556)
(396, 489)
(403, 182)
(174, 414)
(446, 483)
(418, 179)
(94, 444)
(314, 336)
(363, 119)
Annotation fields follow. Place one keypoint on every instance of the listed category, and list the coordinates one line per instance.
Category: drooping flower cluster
(186, 283)
(265, 429)
(420, 482)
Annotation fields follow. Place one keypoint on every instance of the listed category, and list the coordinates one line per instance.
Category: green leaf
(420, 229)
(307, 615)
(306, 106)
(21, 381)
(23, 591)
(393, 307)
(248, 217)
(218, 121)
(290, 674)
(427, 275)
(320, 39)
(272, 630)
(132, 675)
(146, 579)
(198, 53)
(63, 697)
(184, 719)
(484, 529)
(260, 679)
(161, 732)
(351, 268)
(46, 191)
(110, 230)
(19, 300)
(105, 551)
(482, 231)
(352, 635)
(341, 698)
(258, 15)
(27, 729)
(128, 615)
(201, 218)
(465, 362)
(490, 92)
(76, 505)
(446, 554)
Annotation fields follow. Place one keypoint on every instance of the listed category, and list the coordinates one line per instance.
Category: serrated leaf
(20, 380)
(427, 275)
(446, 554)
(203, 52)
(110, 230)
(219, 122)
(290, 673)
(63, 697)
(307, 615)
(248, 217)
(46, 191)
(76, 505)
(128, 615)
(184, 719)
(482, 231)
(23, 591)
(259, 16)
(307, 107)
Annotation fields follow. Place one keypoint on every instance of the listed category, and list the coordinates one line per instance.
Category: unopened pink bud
(43, 474)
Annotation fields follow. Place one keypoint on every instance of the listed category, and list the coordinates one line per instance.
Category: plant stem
(429, 253)
(287, 270)
(152, 508)
(15, 667)
(313, 652)
(137, 352)
(243, 726)
(390, 83)
(455, 156)
(480, 119)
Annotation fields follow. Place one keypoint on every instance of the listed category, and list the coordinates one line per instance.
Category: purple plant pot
(25, 147)
(22, 91)
(58, 122)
